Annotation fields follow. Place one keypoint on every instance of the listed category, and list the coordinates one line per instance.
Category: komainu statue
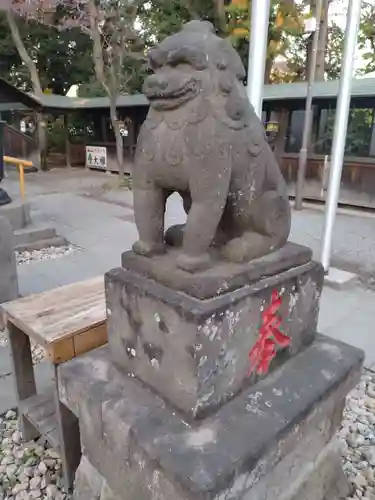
(203, 139)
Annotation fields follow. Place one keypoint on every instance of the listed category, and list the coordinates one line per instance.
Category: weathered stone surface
(17, 213)
(222, 277)
(90, 485)
(154, 332)
(203, 139)
(8, 267)
(146, 451)
(325, 479)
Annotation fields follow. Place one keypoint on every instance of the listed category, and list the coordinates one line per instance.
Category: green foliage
(360, 127)
(63, 58)
(366, 38)
(91, 88)
(9, 57)
(56, 134)
(161, 18)
(285, 22)
(334, 53)
(297, 50)
(135, 74)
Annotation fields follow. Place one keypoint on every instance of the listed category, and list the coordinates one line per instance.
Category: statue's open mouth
(172, 98)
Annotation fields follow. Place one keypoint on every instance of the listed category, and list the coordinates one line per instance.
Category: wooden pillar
(282, 118)
(103, 122)
(68, 159)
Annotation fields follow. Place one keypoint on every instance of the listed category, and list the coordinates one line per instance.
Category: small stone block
(196, 353)
(339, 279)
(17, 213)
(8, 266)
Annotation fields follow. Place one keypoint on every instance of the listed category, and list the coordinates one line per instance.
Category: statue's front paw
(148, 249)
(192, 263)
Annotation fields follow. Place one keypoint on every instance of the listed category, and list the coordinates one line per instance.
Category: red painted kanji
(270, 335)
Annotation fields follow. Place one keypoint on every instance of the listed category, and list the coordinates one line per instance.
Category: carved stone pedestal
(208, 392)
(157, 327)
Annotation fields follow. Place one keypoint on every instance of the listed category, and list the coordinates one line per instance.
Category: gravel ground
(27, 471)
(43, 254)
(357, 438)
(32, 471)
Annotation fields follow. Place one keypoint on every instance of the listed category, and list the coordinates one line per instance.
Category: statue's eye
(174, 62)
(222, 65)
(175, 57)
(156, 59)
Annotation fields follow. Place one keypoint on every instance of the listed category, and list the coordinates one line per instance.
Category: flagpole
(340, 128)
(260, 14)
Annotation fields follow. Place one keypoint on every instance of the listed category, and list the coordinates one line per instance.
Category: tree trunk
(34, 76)
(98, 58)
(118, 137)
(268, 69)
(220, 15)
(23, 53)
(68, 158)
(283, 119)
(323, 35)
(42, 141)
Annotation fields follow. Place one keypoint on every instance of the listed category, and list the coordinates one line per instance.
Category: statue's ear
(236, 104)
(228, 59)
(156, 58)
(225, 80)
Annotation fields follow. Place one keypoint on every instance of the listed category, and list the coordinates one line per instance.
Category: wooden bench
(67, 322)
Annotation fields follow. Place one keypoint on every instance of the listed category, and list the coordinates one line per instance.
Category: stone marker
(214, 384)
(8, 266)
(4, 196)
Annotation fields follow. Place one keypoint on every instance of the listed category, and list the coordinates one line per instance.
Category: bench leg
(23, 375)
(69, 438)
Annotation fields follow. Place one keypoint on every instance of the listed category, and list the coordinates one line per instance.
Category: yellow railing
(21, 164)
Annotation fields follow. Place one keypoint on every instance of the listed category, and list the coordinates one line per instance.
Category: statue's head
(189, 63)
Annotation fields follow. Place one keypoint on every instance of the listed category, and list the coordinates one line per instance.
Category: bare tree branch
(98, 55)
(23, 52)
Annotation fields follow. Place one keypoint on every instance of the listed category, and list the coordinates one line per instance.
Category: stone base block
(195, 352)
(324, 480)
(272, 442)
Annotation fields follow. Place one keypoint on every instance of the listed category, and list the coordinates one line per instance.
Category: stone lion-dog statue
(202, 139)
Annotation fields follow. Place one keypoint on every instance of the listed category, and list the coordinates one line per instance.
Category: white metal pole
(341, 127)
(260, 15)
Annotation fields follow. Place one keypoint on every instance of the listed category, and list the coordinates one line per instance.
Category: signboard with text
(96, 157)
